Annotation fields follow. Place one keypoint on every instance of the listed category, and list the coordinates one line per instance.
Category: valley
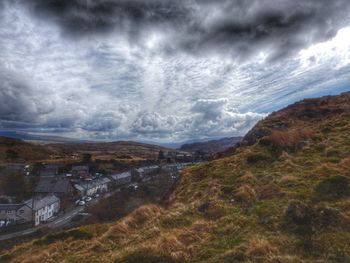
(281, 195)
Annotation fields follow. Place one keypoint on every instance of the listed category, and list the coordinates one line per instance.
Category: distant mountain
(212, 146)
(38, 138)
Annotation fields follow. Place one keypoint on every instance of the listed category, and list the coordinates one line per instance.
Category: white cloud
(105, 88)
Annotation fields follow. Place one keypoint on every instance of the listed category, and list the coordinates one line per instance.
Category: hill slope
(13, 150)
(282, 197)
(109, 150)
(211, 147)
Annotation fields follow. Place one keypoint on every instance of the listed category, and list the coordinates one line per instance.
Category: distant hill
(282, 196)
(14, 150)
(212, 146)
(110, 150)
(39, 138)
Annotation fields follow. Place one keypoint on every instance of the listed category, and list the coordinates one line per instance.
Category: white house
(44, 208)
(93, 187)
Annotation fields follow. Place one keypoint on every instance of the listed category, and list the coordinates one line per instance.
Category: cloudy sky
(165, 70)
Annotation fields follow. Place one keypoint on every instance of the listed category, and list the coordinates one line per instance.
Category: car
(81, 203)
(87, 199)
(96, 195)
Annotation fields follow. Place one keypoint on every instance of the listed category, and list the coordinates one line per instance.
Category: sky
(165, 70)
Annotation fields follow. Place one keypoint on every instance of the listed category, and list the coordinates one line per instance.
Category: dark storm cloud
(240, 27)
(81, 17)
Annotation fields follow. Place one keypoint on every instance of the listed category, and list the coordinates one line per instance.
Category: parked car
(81, 203)
(87, 199)
(96, 195)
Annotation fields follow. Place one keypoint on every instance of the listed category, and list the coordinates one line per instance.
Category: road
(60, 221)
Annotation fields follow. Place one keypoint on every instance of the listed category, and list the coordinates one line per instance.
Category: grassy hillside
(13, 150)
(283, 196)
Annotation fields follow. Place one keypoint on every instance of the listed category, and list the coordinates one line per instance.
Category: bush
(333, 187)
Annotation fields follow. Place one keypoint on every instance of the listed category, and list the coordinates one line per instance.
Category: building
(60, 187)
(146, 171)
(37, 210)
(81, 171)
(11, 214)
(170, 168)
(44, 208)
(49, 170)
(122, 178)
(92, 187)
(13, 168)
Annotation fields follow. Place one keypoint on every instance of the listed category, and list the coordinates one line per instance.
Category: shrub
(333, 187)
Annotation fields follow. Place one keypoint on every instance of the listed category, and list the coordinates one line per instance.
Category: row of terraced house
(35, 210)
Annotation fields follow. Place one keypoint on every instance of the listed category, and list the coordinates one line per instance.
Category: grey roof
(42, 202)
(52, 185)
(121, 175)
(10, 206)
(147, 168)
(93, 183)
(79, 187)
(80, 168)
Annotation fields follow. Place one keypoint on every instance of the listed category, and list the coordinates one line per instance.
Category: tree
(161, 155)
(87, 158)
(16, 185)
(11, 154)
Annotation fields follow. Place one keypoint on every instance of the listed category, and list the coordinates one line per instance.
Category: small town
(62, 193)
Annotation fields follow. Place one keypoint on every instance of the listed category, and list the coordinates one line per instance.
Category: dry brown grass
(260, 247)
(290, 137)
(268, 191)
(248, 177)
(245, 194)
(289, 181)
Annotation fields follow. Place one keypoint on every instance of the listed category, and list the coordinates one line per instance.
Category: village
(61, 192)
